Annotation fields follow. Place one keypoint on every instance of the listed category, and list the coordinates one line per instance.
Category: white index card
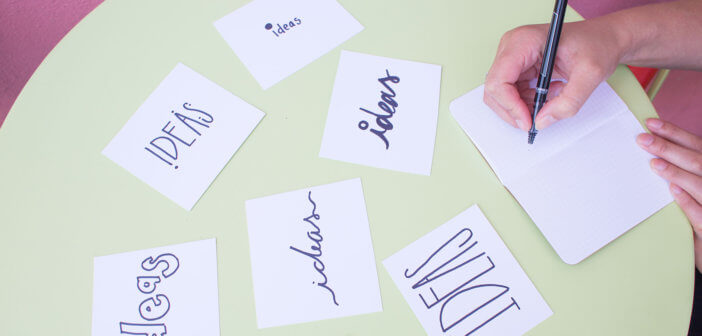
(170, 289)
(275, 38)
(461, 279)
(183, 135)
(311, 255)
(383, 113)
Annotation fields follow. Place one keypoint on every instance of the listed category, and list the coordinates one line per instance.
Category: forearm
(665, 35)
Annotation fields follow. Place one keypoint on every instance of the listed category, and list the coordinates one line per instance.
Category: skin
(665, 35)
(679, 162)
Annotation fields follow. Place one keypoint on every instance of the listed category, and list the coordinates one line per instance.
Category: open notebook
(584, 182)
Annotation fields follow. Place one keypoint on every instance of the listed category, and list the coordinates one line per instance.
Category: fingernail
(520, 124)
(654, 123)
(676, 190)
(644, 139)
(659, 165)
(545, 122)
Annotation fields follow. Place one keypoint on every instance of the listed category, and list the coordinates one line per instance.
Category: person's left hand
(680, 163)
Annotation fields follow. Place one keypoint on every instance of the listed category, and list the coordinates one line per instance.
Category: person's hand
(680, 163)
(588, 53)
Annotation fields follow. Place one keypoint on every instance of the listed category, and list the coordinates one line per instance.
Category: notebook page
(593, 191)
(506, 149)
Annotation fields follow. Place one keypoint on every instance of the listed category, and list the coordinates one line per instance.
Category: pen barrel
(539, 101)
(554, 35)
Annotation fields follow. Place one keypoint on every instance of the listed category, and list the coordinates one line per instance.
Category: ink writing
(388, 106)
(451, 277)
(315, 235)
(180, 132)
(284, 28)
(156, 306)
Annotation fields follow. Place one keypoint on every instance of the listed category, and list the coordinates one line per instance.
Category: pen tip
(532, 135)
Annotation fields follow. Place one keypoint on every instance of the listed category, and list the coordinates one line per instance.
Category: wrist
(624, 39)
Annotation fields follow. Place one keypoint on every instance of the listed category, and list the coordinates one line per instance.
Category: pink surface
(680, 100)
(29, 30)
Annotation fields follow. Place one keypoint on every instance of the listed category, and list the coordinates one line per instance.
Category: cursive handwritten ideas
(183, 131)
(156, 306)
(451, 276)
(388, 106)
(315, 235)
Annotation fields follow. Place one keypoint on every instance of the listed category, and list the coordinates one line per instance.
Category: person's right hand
(588, 53)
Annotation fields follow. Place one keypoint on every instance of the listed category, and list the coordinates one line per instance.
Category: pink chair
(30, 30)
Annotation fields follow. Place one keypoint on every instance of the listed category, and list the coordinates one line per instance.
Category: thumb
(579, 87)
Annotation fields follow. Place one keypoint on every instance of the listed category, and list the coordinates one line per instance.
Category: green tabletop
(62, 202)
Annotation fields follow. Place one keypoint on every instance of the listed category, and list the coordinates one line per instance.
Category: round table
(63, 203)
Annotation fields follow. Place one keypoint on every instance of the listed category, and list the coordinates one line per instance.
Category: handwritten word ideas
(316, 248)
(460, 279)
(383, 113)
(156, 306)
(284, 28)
(170, 290)
(388, 104)
(311, 255)
(196, 124)
(183, 135)
(294, 34)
